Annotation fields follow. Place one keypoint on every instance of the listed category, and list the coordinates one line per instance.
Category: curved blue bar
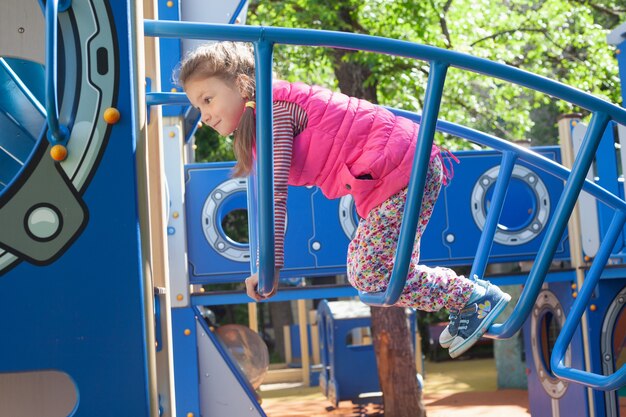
(603, 113)
(57, 133)
(233, 18)
(155, 99)
(263, 51)
(410, 217)
(495, 209)
(355, 41)
(252, 196)
(555, 229)
(23, 87)
(462, 132)
(602, 382)
(523, 154)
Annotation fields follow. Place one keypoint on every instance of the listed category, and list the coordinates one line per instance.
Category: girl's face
(220, 103)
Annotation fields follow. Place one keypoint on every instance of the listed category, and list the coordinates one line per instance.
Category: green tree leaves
(559, 39)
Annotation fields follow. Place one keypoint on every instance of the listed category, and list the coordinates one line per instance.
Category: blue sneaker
(475, 319)
(450, 332)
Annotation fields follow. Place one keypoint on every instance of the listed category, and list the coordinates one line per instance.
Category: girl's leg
(371, 254)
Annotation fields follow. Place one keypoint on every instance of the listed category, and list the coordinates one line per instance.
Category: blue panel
(204, 259)
(15, 139)
(318, 229)
(453, 233)
(21, 122)
(185, 361)
(607, 176)
(17, 102)
(329, 241)
(225, 260)
(604, 295)
(9, 167)
(32, 74)
(83, 312)
(571, 401)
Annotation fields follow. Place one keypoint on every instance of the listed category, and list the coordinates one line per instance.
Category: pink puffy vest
(347, 138)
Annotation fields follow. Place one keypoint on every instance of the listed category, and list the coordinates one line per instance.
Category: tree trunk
(402, 395)
(392, 342)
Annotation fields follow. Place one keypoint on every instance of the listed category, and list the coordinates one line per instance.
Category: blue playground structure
(108, 228)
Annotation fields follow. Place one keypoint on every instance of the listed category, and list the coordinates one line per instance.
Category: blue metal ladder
(440, 60)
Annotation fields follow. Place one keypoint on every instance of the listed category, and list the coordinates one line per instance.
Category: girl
(342, 145)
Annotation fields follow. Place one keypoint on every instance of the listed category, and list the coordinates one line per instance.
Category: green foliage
(211, 147)
(559, 39)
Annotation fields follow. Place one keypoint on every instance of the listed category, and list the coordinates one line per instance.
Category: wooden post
(287, 341)
(575, 238)
(304, 343)
(419, 364)
(152, 217)
(253, 320)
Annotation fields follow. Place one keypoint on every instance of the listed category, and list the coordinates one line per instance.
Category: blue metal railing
(440, 59)
(557, 360)
(493, 215)
(408, 228)
(265, 167)
(237, 11)
(57, 133)
(555, 229)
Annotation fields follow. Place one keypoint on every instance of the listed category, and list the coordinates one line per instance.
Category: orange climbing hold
(58, 153)
(111, 115)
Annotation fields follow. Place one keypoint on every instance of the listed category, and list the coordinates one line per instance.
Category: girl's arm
(284, 123)
(289, 120)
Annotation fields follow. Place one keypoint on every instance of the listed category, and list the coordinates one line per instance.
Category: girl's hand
(252, 285)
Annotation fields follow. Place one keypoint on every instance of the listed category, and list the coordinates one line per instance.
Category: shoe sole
(447, 343)
(473, 338)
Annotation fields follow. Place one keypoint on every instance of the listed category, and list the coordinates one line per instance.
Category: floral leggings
(371, 254)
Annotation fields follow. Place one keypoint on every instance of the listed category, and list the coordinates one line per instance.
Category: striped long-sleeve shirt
(289, 120)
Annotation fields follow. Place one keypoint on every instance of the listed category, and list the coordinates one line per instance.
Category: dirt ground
(452, 389)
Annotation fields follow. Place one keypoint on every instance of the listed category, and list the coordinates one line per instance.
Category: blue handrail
(532, 158)
(495, 210)
(354, 41)
(526, 155)
(408, 228)
(57, 133)
(233, 18)
(602, 110)
(511, 153)
(555, 229)
(159, 98)
(265, 167)
(557, 360)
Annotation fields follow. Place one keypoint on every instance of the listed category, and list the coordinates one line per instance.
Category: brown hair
(233, 62)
